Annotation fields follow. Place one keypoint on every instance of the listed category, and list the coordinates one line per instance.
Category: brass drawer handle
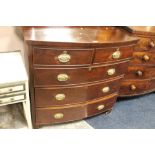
(60, 97)
(133, 87)
(1, 101)
(111, 71)
(105, 89)
(116, 54)
(64, 57)
(139, 73)
(62, 77)
(146, 58)
(58, 115)
(100, 107)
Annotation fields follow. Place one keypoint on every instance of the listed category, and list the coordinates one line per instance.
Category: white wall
(9, 40)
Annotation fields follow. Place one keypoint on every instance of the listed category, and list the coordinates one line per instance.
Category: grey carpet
(131, 113)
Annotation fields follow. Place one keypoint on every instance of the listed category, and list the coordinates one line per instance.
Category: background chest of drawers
(140, 78)
(75, 72)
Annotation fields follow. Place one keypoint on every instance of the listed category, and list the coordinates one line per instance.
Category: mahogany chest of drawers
(75, 72)
(140, 78)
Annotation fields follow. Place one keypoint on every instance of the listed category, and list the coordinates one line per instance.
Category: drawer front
(12, 89)
(63, 76)
(136, 87)
(48, 56)
(145, 44)
(71, 113)
(12, 98)
(103, 55)
(147, 58)
(140, 72)
(45, 97)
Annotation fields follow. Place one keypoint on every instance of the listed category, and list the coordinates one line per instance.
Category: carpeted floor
(131, 113)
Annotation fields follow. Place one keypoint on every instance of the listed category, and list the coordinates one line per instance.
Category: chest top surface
(142, 30)
(78, 34)
(12, 68)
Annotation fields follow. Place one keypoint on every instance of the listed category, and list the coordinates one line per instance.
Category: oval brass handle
(11, 99)
(146, 57)
(152, 44)
(100, 107)
(116, 54)
(139, 73)
(133, 87)
(1, 101)
(60, 97)
(111, 71)
(64, 57)
(58, 115)
(105, 89)
(62, 77)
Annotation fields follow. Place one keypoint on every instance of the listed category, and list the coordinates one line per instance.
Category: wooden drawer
(103, 55)
(63, 76)
(15, 98)
(140, 72)
(136, 87)
(147, 58)
(11, 89)
(145, 44)
(61, 57)
(76, 112)
(46, 97)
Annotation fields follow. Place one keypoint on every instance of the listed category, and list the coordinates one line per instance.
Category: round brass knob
(105, 89)
(60, 97)
(58, 115)
(64, 57)
(62, 77)
(139, 73)
(12, 99)
(133, 87)
(10, 89)
(116, 54)
(152, 44)
(146, 57)
(100, 107)
(111, 71)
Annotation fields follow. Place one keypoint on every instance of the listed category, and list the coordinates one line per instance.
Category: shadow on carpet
(130, 113)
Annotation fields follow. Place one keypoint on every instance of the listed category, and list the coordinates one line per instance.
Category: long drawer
(140, 72)
(64, 76)
(11, 89)
(136, 87)
(145, 44)
(145, 58)
(70, 113)
(9, 99)
(60, 96)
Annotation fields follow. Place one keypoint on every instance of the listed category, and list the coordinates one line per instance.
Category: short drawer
(140, 72)
(71, 113)
(61, 57)
(136, 87)
(12, 89)
(12, 98)
(104, 55)
(145, 44)
(64, 76)
(146, 58)
(45, 97)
